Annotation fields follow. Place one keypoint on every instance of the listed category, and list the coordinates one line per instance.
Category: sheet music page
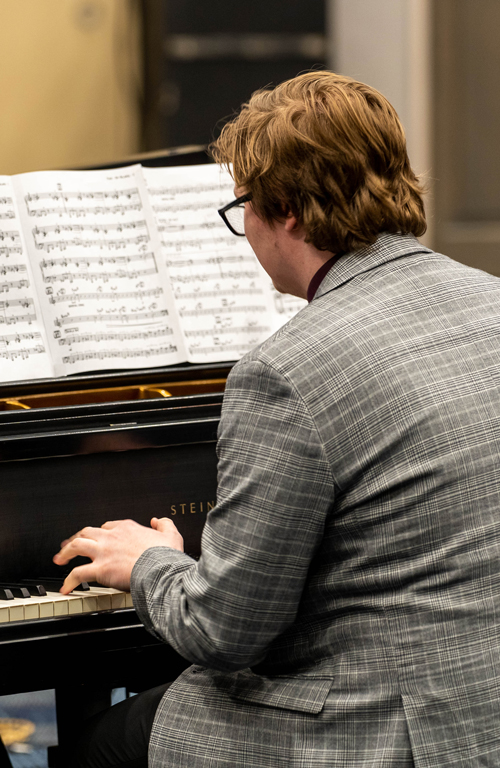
(23, 344)
(96, 257)
(222, 294)
(285, 306)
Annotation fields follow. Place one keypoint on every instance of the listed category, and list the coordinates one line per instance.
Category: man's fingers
(162, 524)
(86, 533)
(110, 524)
(74, 547)
(77, 576)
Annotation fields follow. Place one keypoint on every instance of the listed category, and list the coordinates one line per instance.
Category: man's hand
(114, 549)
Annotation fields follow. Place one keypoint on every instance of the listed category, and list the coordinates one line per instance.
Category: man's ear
(292, 224)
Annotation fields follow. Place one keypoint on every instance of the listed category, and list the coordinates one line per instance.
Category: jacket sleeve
(274, 493)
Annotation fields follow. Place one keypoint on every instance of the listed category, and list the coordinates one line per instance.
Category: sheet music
(285, 306)
(23, 345)
(222, 293)
(96, 257)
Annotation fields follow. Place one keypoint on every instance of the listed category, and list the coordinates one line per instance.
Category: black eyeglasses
(233, 215)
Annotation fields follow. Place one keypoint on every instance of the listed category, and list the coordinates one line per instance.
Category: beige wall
(387, 43)
(69, 82)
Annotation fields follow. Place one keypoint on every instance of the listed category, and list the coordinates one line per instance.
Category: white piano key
(23, 609)
(54, 604)
(118, 598)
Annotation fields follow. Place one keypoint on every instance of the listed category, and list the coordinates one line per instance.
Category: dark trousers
(4, 757)
(119, 736)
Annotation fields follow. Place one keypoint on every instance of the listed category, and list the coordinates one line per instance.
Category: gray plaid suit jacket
(346, 607)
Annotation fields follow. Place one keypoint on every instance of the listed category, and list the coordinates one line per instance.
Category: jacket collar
(387, 247)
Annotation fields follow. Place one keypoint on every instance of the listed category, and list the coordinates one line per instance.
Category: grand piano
(79, 451)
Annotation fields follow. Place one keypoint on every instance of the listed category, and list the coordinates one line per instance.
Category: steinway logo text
(191, 507)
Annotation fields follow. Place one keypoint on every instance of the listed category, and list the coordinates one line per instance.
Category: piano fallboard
(62, 469)
(105, 650)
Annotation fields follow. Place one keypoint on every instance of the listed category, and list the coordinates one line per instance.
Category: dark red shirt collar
(320, 274)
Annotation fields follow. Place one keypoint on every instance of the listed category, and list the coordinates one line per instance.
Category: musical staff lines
(222, 275)
(63, 197)
(197, 244)
(138, 295)
(216, 293)
(39, 232)
(94, 277)
(86, 261)
(5, 269)
(10, 234)
(27, 317)
(216, 349)
(98, 268)
(212, 260)
(24, 353)
(10, 250)
(116, 319)
(185, 189)
(121, 354)
(193, 227)
(235, 309)
(242, 329)
(13, 347)
(44, 236)
(24, 302)
(97, 338)
(78, 213)
(9, 315)
(7, 286)
(18, 337)
(77, 242)
(215, 278)
(21, 340)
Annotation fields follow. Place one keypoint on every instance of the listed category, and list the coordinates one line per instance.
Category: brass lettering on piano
(192, 506)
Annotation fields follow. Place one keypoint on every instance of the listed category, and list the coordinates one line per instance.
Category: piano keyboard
(55, 604)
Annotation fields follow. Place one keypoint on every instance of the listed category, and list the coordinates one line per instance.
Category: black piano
(79, 451)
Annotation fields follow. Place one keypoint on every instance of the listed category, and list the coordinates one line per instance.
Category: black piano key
(51, 585)
(37, 590)
(17, 590)
(6, 594)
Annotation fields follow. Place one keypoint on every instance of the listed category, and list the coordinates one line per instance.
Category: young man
(346, 607)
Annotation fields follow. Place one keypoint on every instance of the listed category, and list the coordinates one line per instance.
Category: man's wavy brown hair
(331, 151)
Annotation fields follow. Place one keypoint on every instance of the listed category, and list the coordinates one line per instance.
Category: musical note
(24, 354)
(96, 338)
(123, 318)
(231, 275)
(78, 261)
(118, 296)
(122, 354)
(21, 341)
(257, 308)
(93, 277)
(78, 213)
(80, 242)
(6, 268)
(27, 317)
(13, 285)
(242, 329)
